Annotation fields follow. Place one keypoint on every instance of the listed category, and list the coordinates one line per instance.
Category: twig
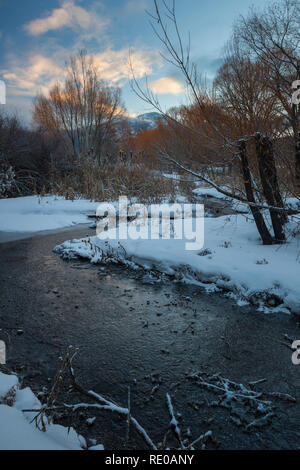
(108, 405)
(174, 423)
(200, 439)
(129, 415)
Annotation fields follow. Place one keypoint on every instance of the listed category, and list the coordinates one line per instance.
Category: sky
(38, 37)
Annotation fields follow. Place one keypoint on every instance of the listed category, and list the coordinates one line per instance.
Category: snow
(35, 214)
(232, 260)
(16, 430)
(209, 192)
(7, 383)
(19, 434)
(91, 421)
(98, 447)
(293, 203)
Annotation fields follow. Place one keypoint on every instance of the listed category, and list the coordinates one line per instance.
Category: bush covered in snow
(7, 180)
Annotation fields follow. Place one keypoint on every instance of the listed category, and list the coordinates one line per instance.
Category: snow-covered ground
(209, 192)
(35, 214)
(16, 430)
(232, 260)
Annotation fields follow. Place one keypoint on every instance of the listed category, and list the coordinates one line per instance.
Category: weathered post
(257, 215)
(270, 185)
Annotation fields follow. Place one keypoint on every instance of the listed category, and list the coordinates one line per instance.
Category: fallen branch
(226, 193)
(231, 392)
(174, 422)
(109, 406)
(98, 402)
(201, 439)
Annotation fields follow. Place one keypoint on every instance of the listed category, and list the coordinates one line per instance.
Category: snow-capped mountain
(144, 122)
(150, 117)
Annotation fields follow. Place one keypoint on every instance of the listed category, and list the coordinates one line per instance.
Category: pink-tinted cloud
(166, 85)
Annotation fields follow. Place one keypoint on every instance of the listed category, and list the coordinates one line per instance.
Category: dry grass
(10, 398)
(109, 183)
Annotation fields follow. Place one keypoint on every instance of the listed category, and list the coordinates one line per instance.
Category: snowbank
(208, 192)
(16, 431)
(232, 260)
(35, 214)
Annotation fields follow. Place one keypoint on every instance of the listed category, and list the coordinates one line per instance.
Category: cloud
(165, 86)
(131, 115)
(114, 65)
(137, 5)
(68, 15)
(38, 72)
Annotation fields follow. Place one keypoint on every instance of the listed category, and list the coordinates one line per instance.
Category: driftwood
(46, 413)
(230, 392)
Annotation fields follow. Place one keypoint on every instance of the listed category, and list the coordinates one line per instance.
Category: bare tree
(273, 37)
(84, 110)
(25, 156)
(215, 123)
(242, 90)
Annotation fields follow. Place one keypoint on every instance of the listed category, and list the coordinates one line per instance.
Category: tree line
(244, 121)
(246, 118)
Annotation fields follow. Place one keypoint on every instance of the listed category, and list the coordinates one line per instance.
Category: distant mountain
(144, 122)
(151, 117)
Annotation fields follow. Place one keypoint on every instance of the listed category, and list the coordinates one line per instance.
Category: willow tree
(226, 118)
(272, 36)
(83, 110)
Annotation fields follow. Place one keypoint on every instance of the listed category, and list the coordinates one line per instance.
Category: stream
(150, 336)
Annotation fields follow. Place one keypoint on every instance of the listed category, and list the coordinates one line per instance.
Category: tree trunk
(296, 118)
(270, 186)
(257, 215)
(297, 163)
